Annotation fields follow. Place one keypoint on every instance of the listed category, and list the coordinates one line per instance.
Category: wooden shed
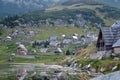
(107, 37)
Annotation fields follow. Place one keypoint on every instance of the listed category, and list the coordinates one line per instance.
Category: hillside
(78, 15)
(10, 7)
(114, 3)
(55, 42)
(70, 2)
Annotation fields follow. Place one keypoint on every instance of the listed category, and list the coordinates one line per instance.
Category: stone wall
(117, 50)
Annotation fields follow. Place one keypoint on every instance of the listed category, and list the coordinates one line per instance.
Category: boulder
(114, 68)
(107, 54)
(62, 76)
(22, 53)
(43, 74)
(93, 70)
(8, 38)
(102, 70)
(22, 50)
(110, 76)
(116, 59)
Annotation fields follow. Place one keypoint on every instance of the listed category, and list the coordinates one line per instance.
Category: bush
(68, 52)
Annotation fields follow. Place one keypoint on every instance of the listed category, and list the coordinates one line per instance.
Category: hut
(8, 38)
(58, 51)
(107, 39)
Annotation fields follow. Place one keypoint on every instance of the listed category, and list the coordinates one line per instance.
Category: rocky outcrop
(111, 76)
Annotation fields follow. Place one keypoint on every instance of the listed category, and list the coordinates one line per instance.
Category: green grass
(109, 22)
(40, 59)
(7, 48)
(45, 32)
(108, 64)
(75, 6)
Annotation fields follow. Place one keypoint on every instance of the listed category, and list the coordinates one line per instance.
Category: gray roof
(117, 35)
(116, 44)
(116, 24)
(110, 35)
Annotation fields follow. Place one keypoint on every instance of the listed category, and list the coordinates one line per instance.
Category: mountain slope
(9, 7)
(70, 2)
(114, 3)
(78, 15)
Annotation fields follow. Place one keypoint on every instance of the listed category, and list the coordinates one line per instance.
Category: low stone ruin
(22, 49)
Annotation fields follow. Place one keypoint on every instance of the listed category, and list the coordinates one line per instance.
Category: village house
(44, 50)
(66, 42)
(39, 42)
(53, 38)
(8, 38)
(109, 39)
(58, 51)
(54, 44)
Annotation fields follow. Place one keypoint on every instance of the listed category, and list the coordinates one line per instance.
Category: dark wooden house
(107, 37)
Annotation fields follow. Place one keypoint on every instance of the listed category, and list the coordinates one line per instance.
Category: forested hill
(78, 15)
(10, 7)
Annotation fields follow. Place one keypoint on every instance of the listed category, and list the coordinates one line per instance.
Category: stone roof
(116, 44)
(116, 24)
(110, 35)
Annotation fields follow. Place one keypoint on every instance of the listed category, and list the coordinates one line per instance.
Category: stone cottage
(109, 39)
(116, 47)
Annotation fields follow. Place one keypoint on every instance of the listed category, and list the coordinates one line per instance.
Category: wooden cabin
(107, 37)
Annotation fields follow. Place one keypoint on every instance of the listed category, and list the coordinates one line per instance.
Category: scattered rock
(73, 64)
(13, 54)
(62, 76)
(8, 38)
(88, 66)
(114, 68)
(93, 70)
(43, 50)
(111, 76)
(107, 54)
(80, 66)
(116, 59)
(102, 70)
(88, 72)
(43, 74)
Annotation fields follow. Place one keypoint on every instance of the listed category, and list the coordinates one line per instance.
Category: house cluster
(58, 43)
(20, 35)
(109, 39)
